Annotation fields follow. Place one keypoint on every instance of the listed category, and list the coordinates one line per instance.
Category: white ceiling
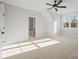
(39, 5)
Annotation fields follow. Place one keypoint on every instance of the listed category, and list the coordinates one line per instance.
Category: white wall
(16, 24)
(69, 32)
(52, 23)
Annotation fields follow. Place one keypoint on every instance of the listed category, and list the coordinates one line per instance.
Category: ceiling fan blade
(59, 2)
(56, 9)
(61, 6)
(49, 4)
(50, 8)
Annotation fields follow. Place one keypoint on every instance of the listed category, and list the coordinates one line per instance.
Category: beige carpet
(48, 48)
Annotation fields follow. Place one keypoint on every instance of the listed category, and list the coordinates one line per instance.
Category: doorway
(32, 28)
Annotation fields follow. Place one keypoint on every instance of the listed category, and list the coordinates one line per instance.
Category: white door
(1, 26)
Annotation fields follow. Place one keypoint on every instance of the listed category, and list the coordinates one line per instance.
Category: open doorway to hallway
(32, 28)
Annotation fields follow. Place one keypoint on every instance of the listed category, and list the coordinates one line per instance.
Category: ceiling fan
(56, 5)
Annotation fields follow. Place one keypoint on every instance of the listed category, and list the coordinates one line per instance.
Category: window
(66, 24)
(70, 22)
(74, 23)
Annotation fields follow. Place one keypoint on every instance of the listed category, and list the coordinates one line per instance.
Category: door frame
(2, 24)
(35, 26)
